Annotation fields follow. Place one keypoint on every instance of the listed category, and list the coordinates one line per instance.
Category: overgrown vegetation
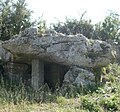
(105, 98)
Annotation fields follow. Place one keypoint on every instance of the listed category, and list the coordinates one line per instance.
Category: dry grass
(66, 105)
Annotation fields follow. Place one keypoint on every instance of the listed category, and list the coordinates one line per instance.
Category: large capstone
(66, 50)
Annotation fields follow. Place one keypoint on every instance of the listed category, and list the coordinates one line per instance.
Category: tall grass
(19, 93)
(105, 98)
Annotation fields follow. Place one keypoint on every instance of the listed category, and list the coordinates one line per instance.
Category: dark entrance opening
(54, 74)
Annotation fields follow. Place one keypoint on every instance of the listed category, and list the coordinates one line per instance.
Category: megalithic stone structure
(78, 53)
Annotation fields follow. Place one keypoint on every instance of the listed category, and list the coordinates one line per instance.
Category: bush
(90, 105)
(109, 103)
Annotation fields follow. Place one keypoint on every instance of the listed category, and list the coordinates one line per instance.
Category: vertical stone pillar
(37, 73)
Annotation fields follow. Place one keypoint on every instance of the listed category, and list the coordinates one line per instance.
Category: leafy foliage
(42, 26)
(73, 26)
(109, 28)
(14, 17)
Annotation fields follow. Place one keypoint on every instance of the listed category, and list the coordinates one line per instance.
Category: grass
(66, 105)
(106, 98)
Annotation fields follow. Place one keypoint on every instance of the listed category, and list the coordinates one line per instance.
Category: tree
(5, 24)
(109, 29)
(14, 17)
(73, 26)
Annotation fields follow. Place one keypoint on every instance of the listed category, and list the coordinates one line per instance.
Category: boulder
(78, 76)
(62, 49)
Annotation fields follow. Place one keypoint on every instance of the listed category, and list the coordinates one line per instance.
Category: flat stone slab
(63, 49)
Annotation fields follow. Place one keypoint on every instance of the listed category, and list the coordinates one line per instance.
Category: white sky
(51, 9)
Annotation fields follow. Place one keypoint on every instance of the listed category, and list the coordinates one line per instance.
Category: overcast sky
(51, 9)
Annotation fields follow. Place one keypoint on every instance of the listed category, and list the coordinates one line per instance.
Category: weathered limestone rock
(28, 32)
(79, 76)
(37, 79)
(67, 50)
(4, 54)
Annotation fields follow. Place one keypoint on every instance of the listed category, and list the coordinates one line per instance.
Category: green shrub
(61, 100)
(89, 105)
(110, 103)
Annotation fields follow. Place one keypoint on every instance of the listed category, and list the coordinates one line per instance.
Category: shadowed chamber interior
(54, 74)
